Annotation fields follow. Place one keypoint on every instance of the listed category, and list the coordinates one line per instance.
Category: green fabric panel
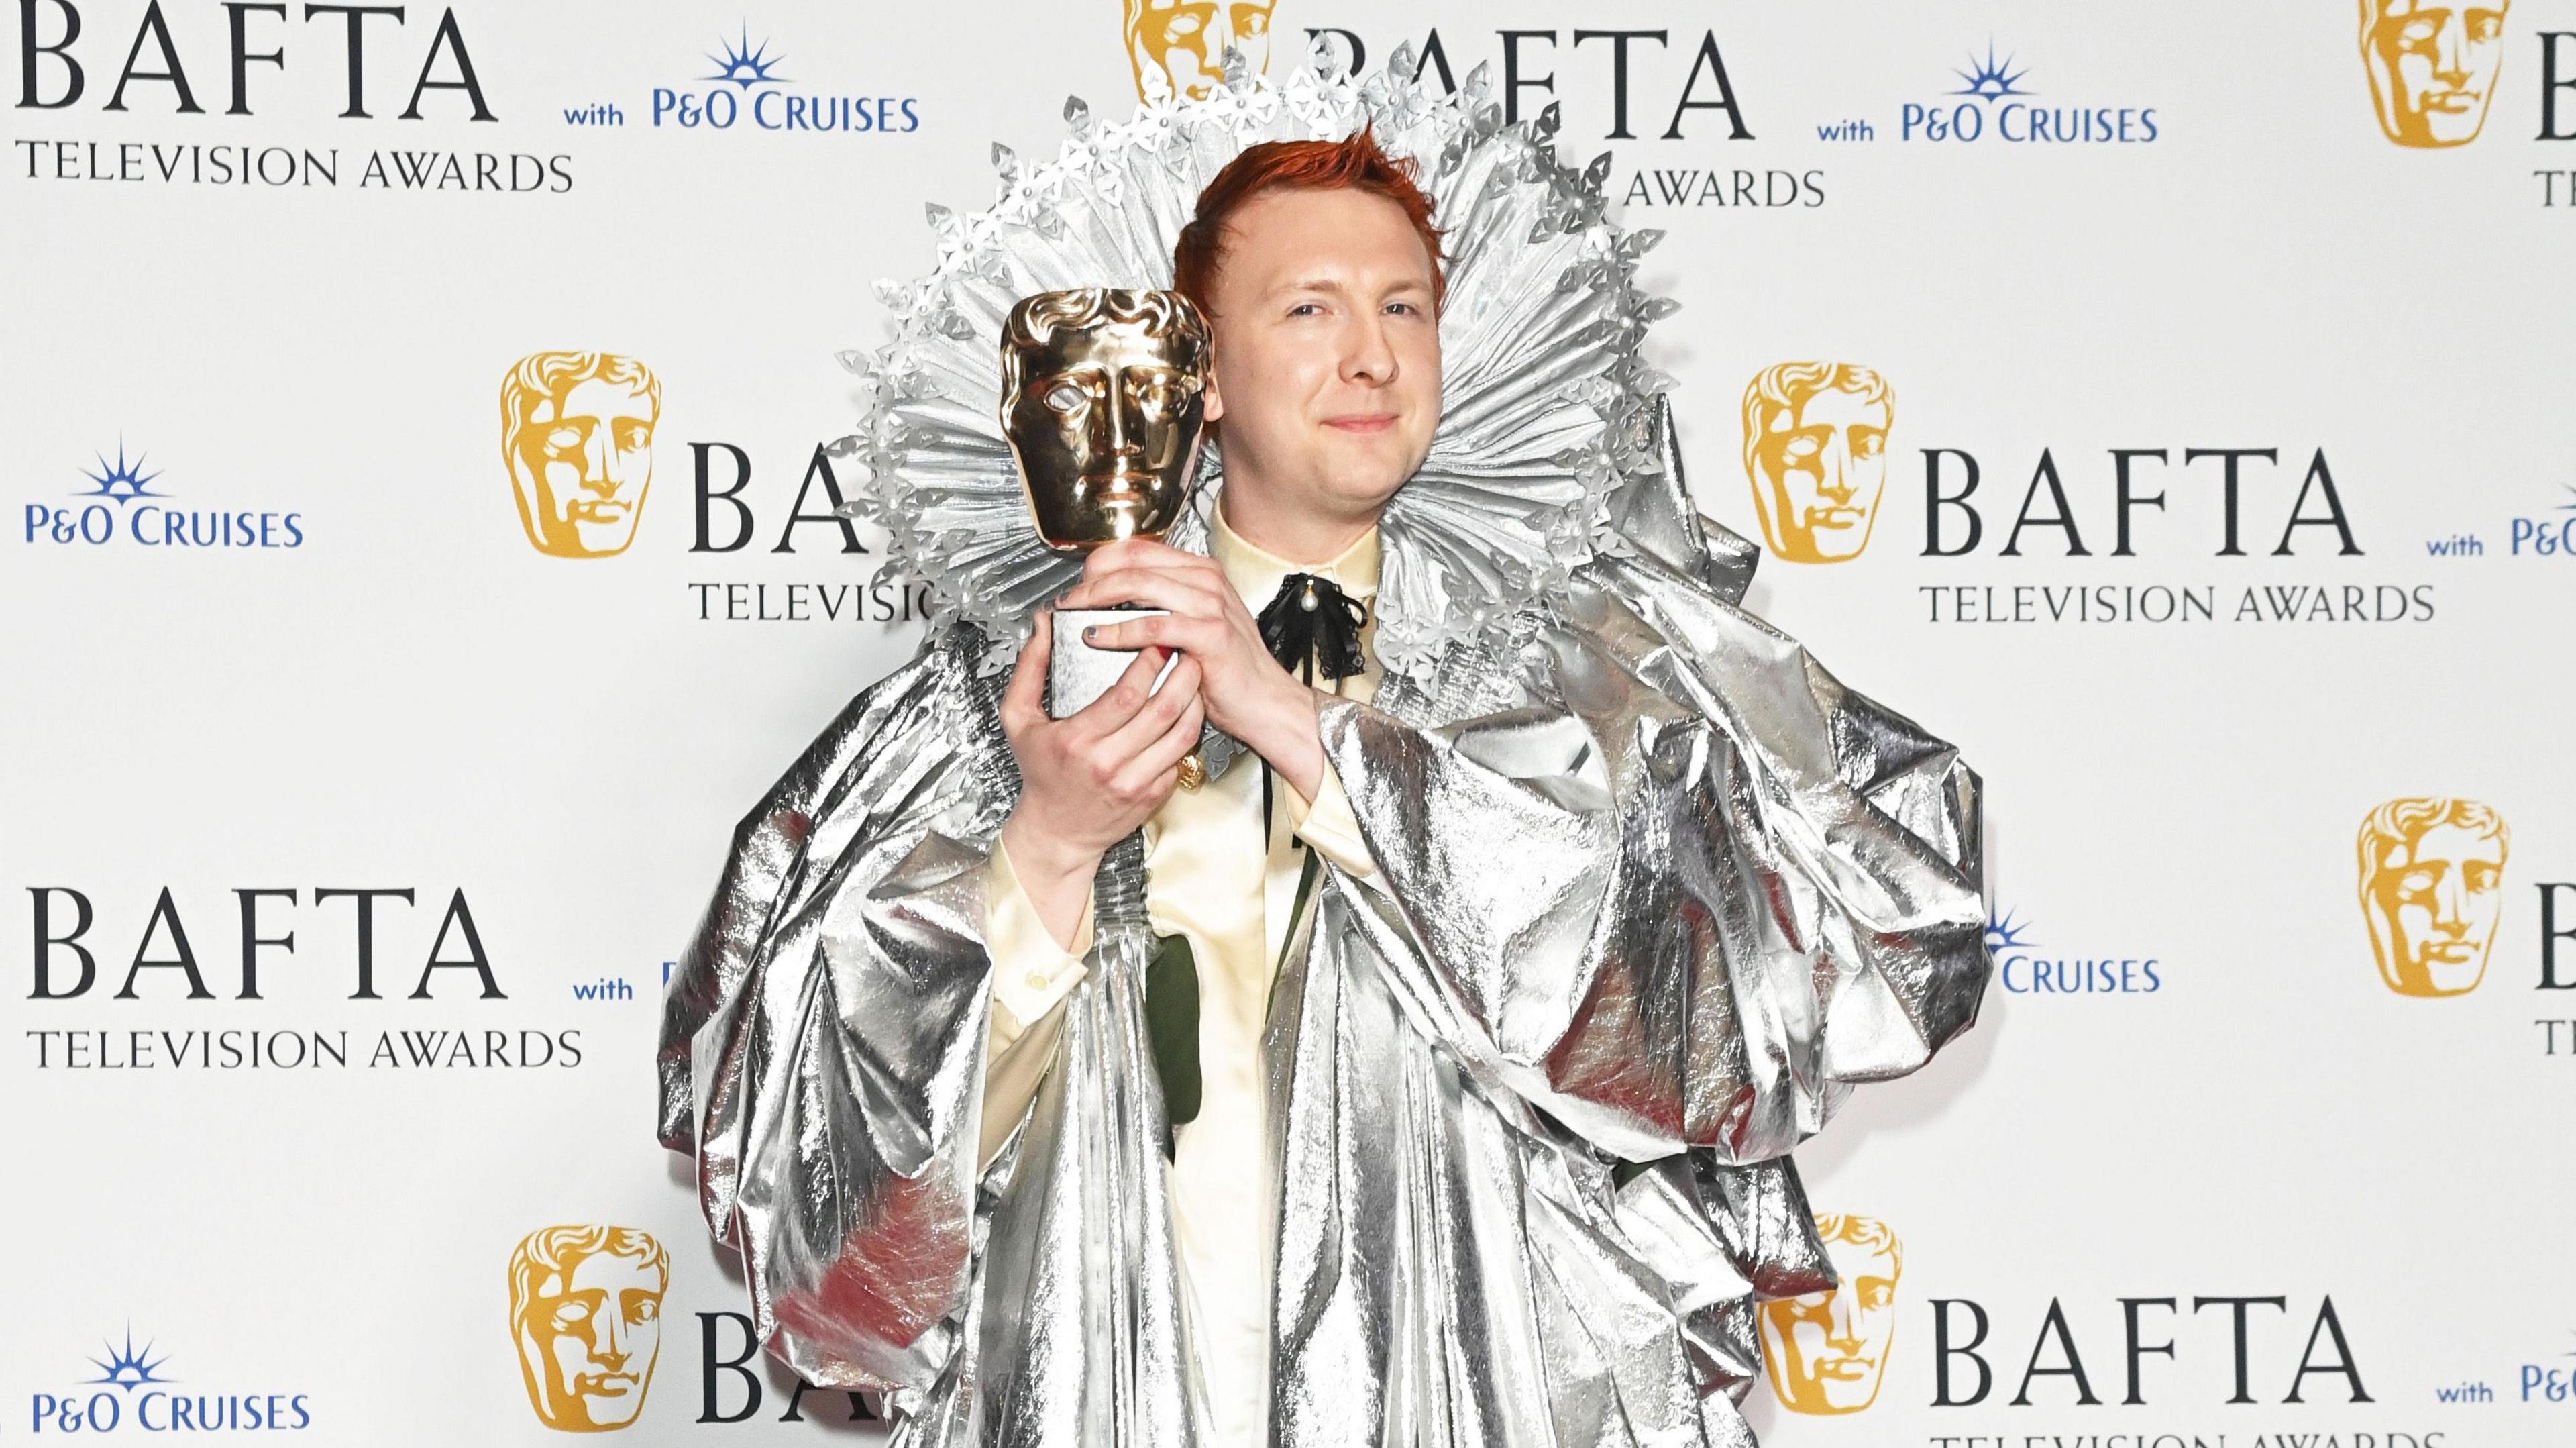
(1172, 1024)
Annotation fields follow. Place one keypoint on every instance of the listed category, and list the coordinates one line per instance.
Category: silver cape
(1654, 891)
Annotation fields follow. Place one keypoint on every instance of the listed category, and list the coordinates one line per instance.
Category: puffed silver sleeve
(1688, 894)
(823, 1037)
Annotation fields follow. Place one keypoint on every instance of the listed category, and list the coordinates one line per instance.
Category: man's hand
(1248, 695)
(1089, 779)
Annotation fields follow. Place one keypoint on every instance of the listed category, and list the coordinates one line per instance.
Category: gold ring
(1192, 770)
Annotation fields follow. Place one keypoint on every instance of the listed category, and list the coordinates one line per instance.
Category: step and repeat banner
(420, 550)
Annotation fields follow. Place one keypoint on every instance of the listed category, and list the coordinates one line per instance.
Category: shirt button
(1037, 980)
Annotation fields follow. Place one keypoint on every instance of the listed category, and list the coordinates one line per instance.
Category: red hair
(1353, 163)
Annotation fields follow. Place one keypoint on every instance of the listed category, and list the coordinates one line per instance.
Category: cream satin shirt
(1210, 875)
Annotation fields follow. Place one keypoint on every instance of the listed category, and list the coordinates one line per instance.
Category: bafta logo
(1826, 1352)
(1184, 41)
(2432, 876)
(577, 431)
(586, 1315)
(2433, 67)
(1815, 450)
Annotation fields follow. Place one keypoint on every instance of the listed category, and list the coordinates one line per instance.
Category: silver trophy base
(1077, 672)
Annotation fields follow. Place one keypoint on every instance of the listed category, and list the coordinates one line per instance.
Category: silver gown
(1654, 891)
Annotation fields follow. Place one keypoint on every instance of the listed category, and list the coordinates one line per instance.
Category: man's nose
(1367, 358)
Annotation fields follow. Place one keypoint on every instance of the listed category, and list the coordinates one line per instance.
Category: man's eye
(1306, 309)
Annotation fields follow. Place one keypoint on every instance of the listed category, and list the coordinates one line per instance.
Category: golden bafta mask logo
(1815, 450)
(586, 1315)
(1184, 42)
(577, 430)
(1826, 1352)
(2433, 67)
(2432, 888)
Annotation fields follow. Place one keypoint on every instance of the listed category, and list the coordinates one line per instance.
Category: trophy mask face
(1104, 403)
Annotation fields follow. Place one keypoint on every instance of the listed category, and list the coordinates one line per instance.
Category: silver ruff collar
(1547, 411)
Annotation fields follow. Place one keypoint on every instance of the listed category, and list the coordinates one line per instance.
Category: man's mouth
(1362, 423)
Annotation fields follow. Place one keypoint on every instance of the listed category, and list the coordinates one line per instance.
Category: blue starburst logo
(1991, 79)
(129, 1367)
(120, 479)
(744, 63)
(2005, 933)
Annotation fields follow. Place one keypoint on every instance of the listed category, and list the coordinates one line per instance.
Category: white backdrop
(402, 693)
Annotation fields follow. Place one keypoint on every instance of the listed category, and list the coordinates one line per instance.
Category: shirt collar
(1255, 572)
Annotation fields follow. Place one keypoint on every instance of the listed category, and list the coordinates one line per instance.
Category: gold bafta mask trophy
(1104, 403)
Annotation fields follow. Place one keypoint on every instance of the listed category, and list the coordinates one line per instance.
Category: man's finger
(1180, 688)
(1154, 587)
(1165, 630)
(1119, 703)
(1026, 692)
(1156, 763)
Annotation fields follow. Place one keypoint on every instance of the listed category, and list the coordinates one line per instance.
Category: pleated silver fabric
(1654, 891)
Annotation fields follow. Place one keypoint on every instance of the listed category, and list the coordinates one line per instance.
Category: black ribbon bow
(1311, 627)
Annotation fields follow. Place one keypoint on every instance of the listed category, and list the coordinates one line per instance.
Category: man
(2433, 67)
(1827, 1351)
(2432, 872)
(1815, 448)
(577, 430)
(586, 1313)
(1522, 947)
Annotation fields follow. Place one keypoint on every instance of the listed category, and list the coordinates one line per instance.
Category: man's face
(1827, 1351)
(1186, 40)
(2437, 902)
(2433, 67)
(1327, 354)
(1823, 464)
(583, 461)
(1105, 425)
(597, 1329)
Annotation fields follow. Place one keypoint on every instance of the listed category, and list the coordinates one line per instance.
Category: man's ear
(1215, 399)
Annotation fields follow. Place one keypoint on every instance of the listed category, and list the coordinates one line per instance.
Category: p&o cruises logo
(132, 1392)
(1993, 103)
(120, 507)
(747, 91)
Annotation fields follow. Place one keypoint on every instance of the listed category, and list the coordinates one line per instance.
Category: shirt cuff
(1326, 822)
(1031, 973)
